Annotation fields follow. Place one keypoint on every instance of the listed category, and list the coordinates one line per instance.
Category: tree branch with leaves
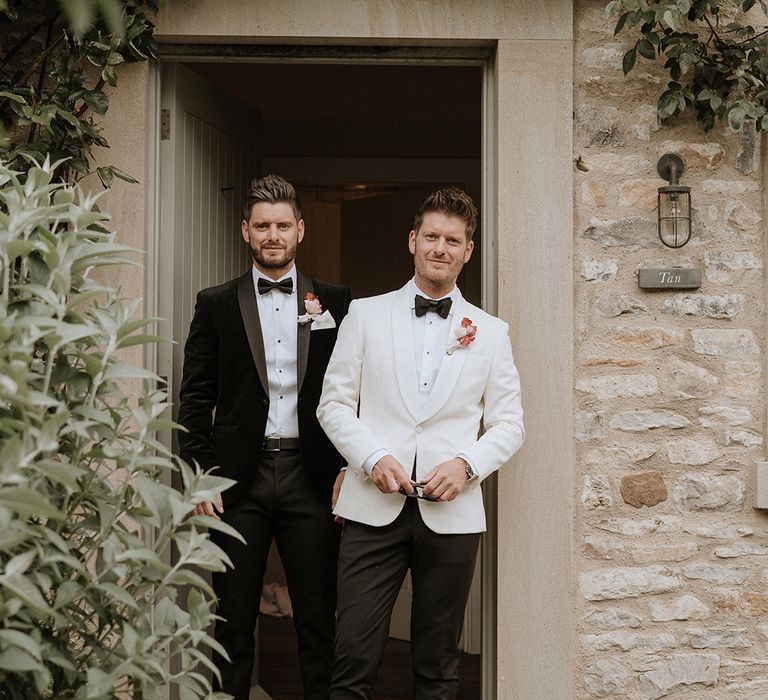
(717, 67)
(56, 61)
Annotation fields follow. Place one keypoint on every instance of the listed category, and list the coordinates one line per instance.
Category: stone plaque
(670, 278)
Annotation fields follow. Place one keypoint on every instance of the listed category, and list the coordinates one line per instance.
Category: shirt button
(419, 429)
(278, 340)
(281, 397)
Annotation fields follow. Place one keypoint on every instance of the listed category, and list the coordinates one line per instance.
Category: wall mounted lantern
(674, 203)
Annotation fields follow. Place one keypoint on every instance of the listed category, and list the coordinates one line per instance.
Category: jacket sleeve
(199, 388)
(337, 410)
(502, 413)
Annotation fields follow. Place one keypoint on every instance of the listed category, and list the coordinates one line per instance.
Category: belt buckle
(272, 441)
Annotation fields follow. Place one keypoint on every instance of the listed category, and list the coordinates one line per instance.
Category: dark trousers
(281, 504)
(372, 565)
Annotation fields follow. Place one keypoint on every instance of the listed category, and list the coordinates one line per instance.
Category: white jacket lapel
(402, 341)
(450, 368)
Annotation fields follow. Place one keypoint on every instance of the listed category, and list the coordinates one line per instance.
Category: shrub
(90, 598)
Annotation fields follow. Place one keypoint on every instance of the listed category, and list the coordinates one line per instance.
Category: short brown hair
(271, 189)
(451, 201)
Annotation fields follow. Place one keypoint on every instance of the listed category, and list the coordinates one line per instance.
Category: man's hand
(388, 474)
(446, 480)
(335, 494)
(208, 508)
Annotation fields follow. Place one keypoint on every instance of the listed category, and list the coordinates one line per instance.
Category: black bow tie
(285, 286)
(442, 307)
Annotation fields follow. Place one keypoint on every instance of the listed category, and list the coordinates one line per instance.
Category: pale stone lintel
(281, 20)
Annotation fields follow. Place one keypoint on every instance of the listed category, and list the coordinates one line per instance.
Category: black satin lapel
(249, 310)
(303, 285)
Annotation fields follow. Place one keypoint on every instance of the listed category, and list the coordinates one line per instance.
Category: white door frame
(160, 267)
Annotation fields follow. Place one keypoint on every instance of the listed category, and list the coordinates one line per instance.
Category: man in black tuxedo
(254, 363)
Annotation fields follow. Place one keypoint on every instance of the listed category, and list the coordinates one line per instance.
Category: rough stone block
(729, 187)
(589, 425)
(613, 619)
(626, 641)
(695, 492)
(691, 670)
(596, 491)
(701, 638)
(613, 386)
(644, 122)
(632, 233)
(599, 270)
(611, 305)
(714, 416)
(731, 342)
(694, 451)
(607, 56)
(627, 582)
(686, 607)
(741, 216)
(622, 165)
(746, 158)
(701, 156)
(690, 381)
(705, 305)
(641, 337)
(635, 527)
(717, 573)
(644, 489)
(743, 549)
(640, 193)
(724, 267)
(600, 126)
(718, 530)
(655, 554)
(641, 420)
(603, 547)
(605, 677)
(743, 379)
(742, 437)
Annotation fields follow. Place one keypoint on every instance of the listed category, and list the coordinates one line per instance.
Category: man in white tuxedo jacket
(422, 399)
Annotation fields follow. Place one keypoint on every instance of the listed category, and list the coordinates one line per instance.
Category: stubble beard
(287, 258)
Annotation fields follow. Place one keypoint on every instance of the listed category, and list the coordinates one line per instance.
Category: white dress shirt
(278, 313)
(431, 337)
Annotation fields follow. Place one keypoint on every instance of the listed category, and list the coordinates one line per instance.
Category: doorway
(363, 144)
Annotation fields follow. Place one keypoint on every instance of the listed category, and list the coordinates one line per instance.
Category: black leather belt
(272, 444)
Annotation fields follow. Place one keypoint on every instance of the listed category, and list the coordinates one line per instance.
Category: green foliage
(90, 604)
(717, 67)
(56, 61)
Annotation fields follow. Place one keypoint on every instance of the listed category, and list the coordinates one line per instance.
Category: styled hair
(271, 189)
(451, 201)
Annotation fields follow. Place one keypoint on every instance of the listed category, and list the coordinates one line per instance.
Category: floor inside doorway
(279, 670)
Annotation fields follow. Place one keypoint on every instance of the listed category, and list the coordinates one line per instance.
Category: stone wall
(671, 557)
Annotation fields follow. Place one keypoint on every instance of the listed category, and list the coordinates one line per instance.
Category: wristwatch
(470, 472)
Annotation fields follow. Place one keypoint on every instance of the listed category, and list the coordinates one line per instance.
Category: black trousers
(372, 565)
(280, 504)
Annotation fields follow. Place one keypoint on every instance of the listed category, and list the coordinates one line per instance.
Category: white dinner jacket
(370, 401)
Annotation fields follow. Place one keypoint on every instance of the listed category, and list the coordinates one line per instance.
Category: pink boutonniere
(320, 319)
(465, 335)
(312, 304)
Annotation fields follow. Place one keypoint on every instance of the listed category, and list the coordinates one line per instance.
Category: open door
(208, 156)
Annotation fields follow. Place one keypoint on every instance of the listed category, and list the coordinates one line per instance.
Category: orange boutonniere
(465, 335)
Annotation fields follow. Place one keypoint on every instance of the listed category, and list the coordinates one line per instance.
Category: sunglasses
(418, 492)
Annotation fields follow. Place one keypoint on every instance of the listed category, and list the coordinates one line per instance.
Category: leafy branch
(718, 68)
(56, 62)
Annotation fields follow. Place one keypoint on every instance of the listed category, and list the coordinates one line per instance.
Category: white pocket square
(323, 321)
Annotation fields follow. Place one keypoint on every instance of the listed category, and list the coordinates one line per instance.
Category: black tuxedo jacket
(225, 370)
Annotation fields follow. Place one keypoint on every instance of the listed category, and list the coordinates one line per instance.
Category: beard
(275, 261)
